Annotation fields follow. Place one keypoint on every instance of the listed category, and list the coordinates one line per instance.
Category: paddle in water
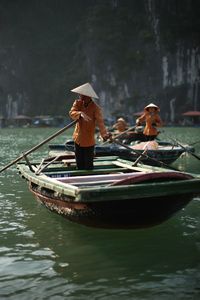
(38, 146)
(186, 150)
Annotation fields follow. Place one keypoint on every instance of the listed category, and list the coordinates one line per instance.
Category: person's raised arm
(75, 112)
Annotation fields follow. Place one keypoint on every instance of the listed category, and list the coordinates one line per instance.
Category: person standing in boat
(152, 120)
(88, 114)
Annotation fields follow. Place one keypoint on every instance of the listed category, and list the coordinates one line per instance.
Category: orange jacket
(152, 121)
(84, 132)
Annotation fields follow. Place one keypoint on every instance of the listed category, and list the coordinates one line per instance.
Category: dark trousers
(84, 157)
(150, 137)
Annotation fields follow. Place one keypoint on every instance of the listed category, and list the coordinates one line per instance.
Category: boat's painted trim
(114, 193)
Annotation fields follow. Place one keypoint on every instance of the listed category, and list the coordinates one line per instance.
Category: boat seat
(97, 178)
(97, 161)
(68, 162)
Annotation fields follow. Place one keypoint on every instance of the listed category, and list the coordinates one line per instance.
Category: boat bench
(97, 161)
(97, 178)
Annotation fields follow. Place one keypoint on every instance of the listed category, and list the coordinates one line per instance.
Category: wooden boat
(164, 152)
(116, 194)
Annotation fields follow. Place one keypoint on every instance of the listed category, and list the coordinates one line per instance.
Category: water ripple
(43, 256)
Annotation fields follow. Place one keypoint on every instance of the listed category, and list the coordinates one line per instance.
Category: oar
(162, 164)
(38, 145)
(139, 157)
(186, 150)
(119, 135)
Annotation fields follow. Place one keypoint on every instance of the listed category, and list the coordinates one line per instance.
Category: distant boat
(165, 152)
(115, 194)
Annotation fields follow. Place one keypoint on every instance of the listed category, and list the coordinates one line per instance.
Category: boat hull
(153, 157)
(122, 214)
(116, 194)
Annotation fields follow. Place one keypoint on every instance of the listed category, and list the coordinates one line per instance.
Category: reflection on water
(44, 256)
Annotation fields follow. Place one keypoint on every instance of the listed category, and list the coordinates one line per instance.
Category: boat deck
(63, 177)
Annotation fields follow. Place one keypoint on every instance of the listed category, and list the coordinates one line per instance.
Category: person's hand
(108, 136)
(85, 117)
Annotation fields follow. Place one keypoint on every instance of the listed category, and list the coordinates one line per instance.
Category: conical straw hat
(152, 105)
(121, 120)
(86, 90)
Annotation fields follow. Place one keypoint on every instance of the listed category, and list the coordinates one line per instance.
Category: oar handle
(39, 145)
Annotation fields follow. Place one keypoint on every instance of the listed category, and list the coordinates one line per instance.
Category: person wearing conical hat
(88, 114)
(152, 120)
(121, 125)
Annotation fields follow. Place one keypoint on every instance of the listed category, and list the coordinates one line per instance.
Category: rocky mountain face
(133, 52)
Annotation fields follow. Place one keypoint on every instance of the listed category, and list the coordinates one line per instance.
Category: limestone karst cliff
(132, 52)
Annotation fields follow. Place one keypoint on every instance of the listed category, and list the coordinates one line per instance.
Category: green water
(43, 256)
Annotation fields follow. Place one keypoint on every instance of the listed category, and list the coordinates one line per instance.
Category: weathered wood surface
(97, 192)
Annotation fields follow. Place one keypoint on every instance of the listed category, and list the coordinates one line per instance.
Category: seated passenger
(120, 125)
